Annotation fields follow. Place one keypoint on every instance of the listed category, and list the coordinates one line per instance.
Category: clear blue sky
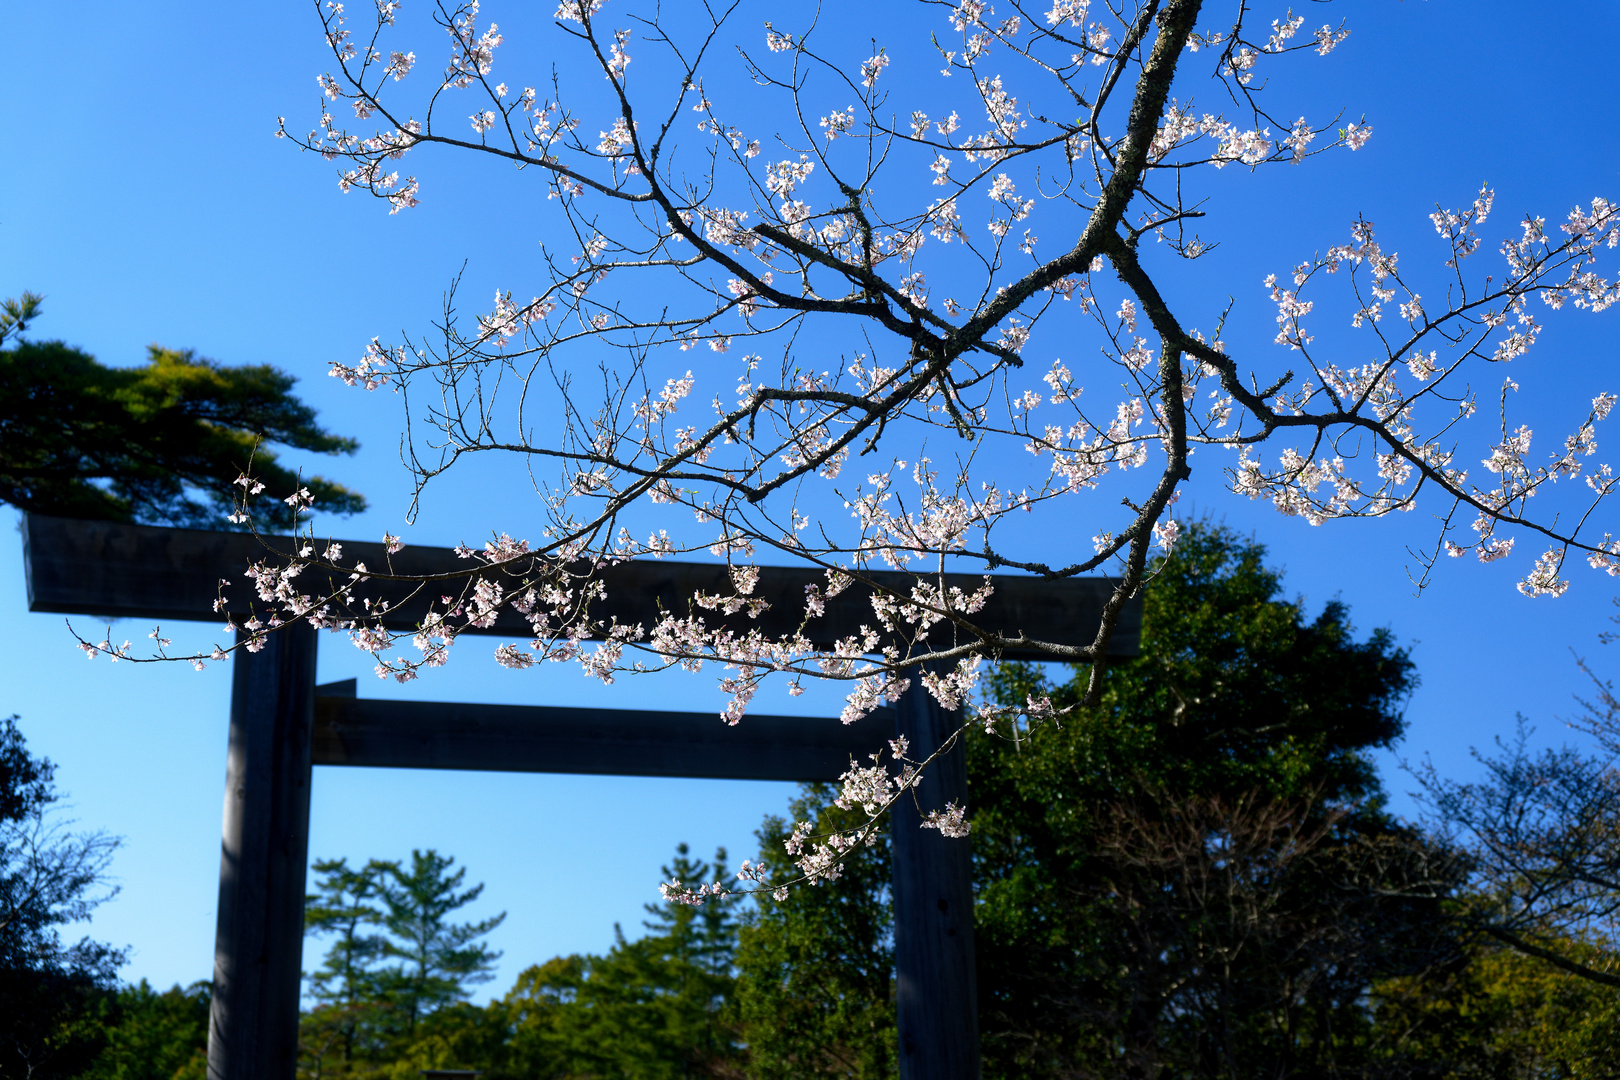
(142, 193)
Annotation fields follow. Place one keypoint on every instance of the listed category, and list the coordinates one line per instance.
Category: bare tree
(1543, 833)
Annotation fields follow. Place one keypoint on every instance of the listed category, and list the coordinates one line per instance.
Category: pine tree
(437, 961)
(346, 904)
(655, 1008)
(161, 442)
(704, 936)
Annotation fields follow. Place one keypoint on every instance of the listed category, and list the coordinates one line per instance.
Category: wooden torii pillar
(282, 724)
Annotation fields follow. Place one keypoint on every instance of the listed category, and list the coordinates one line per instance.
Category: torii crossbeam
(282, 724)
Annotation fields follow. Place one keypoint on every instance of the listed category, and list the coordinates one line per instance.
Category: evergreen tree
(347, 1016)
(152, 1035)
(815, 992)
(161, 442)
(704, 937)
(17, 312)
(1195, 878)
(437, 961)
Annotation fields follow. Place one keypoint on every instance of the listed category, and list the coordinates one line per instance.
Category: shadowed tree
(1194, 878)
(152, 1035)
(1197, 876)
(160, 443)
(49, 877)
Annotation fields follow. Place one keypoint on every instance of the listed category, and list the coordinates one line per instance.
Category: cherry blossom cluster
(898, 306)
(1402, 401)
(803, 236)
(872, 790)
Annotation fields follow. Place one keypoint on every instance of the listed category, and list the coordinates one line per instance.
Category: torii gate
(282, 724)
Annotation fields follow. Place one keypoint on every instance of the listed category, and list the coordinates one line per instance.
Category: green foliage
(396, 960)
(48, 1026)
(458, 1036)
(25, 780)
(1196, 876)
(161, 442)
(1504, 1015)
(153, 1036)
(815, 989)
(49, 877)
(1234, 689)
(16, 314)
(702, 940)
(651, 1009)
(437, 961)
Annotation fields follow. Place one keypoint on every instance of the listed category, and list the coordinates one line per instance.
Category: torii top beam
(143, 571)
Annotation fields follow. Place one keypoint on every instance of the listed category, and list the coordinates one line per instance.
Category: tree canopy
(1194, 877)
(152, 1035)
(50, 877)
(1197, 874)
(161, 442)
(396, 957)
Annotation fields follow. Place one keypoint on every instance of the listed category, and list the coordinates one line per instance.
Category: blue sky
(143, 194)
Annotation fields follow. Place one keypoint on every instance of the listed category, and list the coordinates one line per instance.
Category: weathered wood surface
(151, 572)
(609, 742)
(936, 993)
(258, 943)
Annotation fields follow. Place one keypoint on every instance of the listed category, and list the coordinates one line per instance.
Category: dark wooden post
(936, 995)
(258, 946)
